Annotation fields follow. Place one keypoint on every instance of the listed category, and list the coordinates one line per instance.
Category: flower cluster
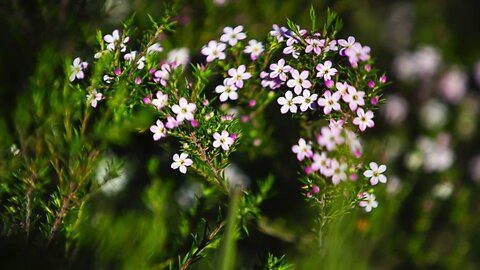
(332, 79)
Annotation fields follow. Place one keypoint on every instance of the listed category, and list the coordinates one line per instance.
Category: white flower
(180, 56)
(156, 47)
(233, 35)
(93, 97)
(354, 98)
(181, 162)
(287, 103)
(238, 75)
(322, 163)
(306, 100)
(338, 171)
(329, 102)
(376, 173)
(14, 150)
(160, 101)
(131, 56)
(363, 119)
(184, 110)
(299, 81)
(114, 40)
(224, 140)
(325, 70)
(368, 201)
(227, 91)
(330, 138)
(254, 48)
(443, 190)
(279, 69)
(302, 149)
(214, 50)
(76, 69)
(158, 131)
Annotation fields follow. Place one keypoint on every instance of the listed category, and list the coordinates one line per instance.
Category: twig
(217, 178)
(28, 209)
(202, 246)
(61, 214)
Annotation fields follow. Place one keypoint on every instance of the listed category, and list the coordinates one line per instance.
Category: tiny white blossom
(114, 40)
(238, 75)
(160, 101)
(158, 130)
(233, 35)
(287, 103)
(222, 140)
(154, 48)
(368, 201)
(93, 97)
(184, 110)
(181, 162)
(299, 81)
(325, 70)
(305, 100)
(14, 150)
(302, 149)
(363, 119)
(338, 171)
(254, 48)
(375, 173)
(227, 91)
(76, 69)
(214, 50)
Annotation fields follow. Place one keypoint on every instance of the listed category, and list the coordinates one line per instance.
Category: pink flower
(184, 110)
(158, 130)
(214, 50)
(160, 101)
(298, 81)
(238, 75)
(363, 120)
(233, 35)
(302, 149)
(354, 98)
(325, 70)
(329, 102)
(287, 103)
(222, 140)
(279, 70)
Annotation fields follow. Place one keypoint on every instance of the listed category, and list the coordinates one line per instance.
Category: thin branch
(202, 246)
(203, 154)
(62, 213)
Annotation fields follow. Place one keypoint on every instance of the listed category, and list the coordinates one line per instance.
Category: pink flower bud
(309, 195)
(252, 103)
(315, 189)
(118, 72)
(368, 68)
(223, 118)
(205, 102)
(374, 100)
(138, 80)
(152, 71)
(194, 123)
(354, 177)
(244, 118)
(229, 117)
(358, 153)
(233, 136)
(146, 100)
(383, 79)
(308, 170)
(329, 83)
(189, 85)
(371, 84)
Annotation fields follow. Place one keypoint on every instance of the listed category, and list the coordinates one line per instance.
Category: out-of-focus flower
(443, 190)
(236, 177)
(180, 56)
(93, 97)
(421, 64)
(14, 150)
(394, 185)
(474, 168)
(453, 85)
(368, 201)
(437, 154)
(433, 114)
(395, 109)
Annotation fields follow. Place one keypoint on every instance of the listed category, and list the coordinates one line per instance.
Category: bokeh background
(427, 132)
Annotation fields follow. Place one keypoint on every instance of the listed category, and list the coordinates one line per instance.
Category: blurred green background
(427, 132)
